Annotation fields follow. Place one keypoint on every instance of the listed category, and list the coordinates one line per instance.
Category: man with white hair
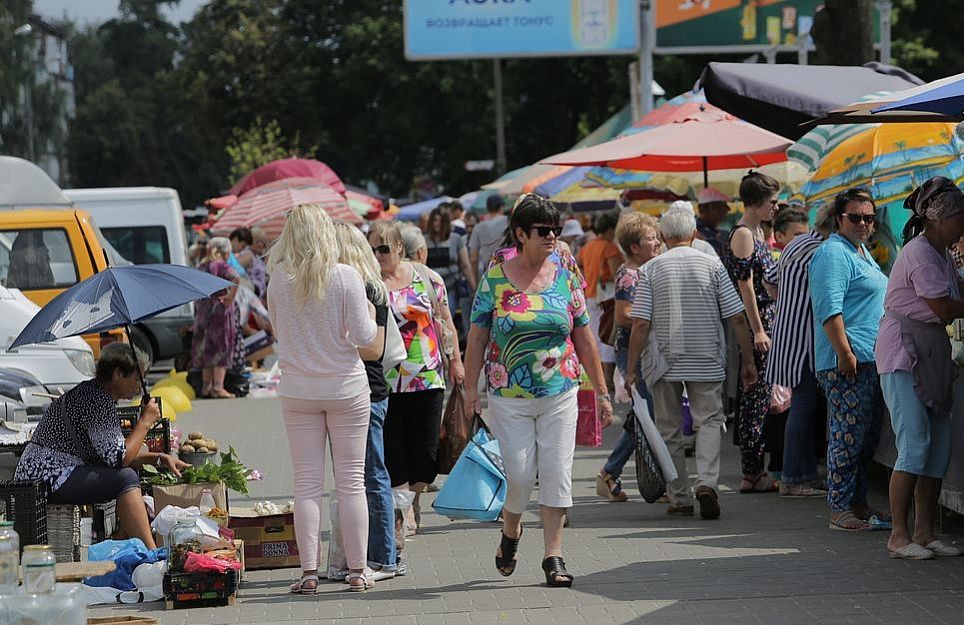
(713, 210)
(682, 298)
(698, 244)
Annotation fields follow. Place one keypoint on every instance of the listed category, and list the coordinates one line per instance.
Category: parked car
(22, 396)
(58, 365)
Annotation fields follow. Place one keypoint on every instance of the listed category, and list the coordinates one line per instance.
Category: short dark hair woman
(530, 317)
(78, 449)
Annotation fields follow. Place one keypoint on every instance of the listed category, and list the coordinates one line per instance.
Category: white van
(61, 364)
(144, 225)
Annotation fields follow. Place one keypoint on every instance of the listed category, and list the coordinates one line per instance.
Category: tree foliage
(182, 106)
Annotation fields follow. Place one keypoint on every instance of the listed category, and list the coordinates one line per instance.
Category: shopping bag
(588, 427)
(454, 433)
(646, 428)
(476, 487)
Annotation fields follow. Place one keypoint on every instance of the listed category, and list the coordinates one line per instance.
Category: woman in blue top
(530, 328)
(847, 292)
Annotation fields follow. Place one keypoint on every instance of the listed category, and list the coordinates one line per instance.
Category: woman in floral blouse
(530, 318)
(417, 385)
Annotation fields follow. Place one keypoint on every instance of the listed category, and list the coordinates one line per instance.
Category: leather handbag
(476, 487)
(455, 432)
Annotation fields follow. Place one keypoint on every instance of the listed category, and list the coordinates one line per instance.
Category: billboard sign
(472, 29)
(683, 23)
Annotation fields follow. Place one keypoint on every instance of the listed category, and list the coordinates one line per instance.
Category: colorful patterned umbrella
(891, 160)
(267, 206)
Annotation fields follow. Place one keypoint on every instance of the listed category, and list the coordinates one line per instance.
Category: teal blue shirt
(842, 282)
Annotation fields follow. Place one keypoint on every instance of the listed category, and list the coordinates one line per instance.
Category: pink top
(919, 272)
(317, 342)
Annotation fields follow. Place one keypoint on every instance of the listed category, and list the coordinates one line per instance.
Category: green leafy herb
(230, 471)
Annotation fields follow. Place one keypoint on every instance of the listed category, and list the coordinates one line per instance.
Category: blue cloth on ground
(127, 555)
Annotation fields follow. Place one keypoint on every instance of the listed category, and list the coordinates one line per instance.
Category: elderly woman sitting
(78, 449)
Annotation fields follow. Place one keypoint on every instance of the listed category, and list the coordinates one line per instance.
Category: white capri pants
(537, 438)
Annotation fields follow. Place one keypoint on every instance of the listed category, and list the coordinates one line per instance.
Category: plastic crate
(158, 438)
(25, 503)
(193, 590)
(63, 531)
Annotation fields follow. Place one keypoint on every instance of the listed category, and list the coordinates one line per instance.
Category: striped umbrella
(891, 160)
(267, 206)
(812, 147)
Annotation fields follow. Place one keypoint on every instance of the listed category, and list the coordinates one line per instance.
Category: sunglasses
(382, 249)
(856, 219)
(544, 231)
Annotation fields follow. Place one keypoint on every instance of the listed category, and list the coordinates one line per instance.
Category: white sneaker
(380, 574)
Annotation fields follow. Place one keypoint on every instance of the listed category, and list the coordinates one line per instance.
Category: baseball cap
(709, 194)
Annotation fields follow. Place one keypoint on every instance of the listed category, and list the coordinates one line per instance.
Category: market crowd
(789, 328)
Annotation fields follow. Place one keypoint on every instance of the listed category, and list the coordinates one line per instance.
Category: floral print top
(412, 307)
(530, 353)
(626, 279)
(561, 257)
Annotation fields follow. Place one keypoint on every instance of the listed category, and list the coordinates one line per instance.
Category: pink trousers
(309, 422)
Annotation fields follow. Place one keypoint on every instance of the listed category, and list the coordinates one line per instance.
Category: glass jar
(185, 538)
(38, 562)
(9, 558)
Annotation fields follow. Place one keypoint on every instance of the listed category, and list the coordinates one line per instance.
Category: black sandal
(556, 574)
(507, 561)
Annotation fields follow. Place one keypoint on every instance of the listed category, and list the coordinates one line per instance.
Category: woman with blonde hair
(418, 299)
(324, 389)
(215, 323)
(637, 235)
(354, 251)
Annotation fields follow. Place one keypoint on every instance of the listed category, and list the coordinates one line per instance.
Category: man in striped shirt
(682, 298)
(791, 357)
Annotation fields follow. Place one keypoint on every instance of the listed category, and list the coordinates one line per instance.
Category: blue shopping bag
(475, 489)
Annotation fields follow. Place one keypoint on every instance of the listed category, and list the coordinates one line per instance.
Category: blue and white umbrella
(116, 297)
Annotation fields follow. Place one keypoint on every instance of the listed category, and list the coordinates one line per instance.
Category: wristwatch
(604, 397)
(157, 460)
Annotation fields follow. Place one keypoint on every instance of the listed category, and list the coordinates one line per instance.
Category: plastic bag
(588, 426)
(127, 555)
(208, 528)
(337, 560)
(620, 396)
(649, 476)
(454, 433)
(780, 399)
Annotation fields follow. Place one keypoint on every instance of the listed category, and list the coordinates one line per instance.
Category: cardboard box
(187, 495)
(269, 541)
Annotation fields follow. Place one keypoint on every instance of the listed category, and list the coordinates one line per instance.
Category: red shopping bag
(588, 427)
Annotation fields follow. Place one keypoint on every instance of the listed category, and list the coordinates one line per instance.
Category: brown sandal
(762, 483)
(608, 487)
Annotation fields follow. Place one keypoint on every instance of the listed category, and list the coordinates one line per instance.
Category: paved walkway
(767, 561)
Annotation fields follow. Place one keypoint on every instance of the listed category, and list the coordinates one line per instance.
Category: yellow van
(43, 252)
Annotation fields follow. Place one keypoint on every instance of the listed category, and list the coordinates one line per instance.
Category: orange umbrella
(702, 141)
(267, 206)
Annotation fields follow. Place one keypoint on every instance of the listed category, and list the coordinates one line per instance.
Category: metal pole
(500, 160)
(28, 114)
(884, 8)
(647, 45)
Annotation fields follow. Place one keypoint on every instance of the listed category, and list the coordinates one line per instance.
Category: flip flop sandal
(942, 549)
(912, 551)
(848, 522)
(298, 588)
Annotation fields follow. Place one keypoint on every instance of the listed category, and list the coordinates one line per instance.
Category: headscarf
(938, 198)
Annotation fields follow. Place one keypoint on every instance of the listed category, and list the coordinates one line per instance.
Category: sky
(102, 10)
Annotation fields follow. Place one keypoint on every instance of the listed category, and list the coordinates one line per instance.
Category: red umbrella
(699, 142)
(289, 168)
(267, 206)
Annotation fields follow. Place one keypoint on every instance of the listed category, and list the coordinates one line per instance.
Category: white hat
(680, 205)
(571, 228)
(709, 195)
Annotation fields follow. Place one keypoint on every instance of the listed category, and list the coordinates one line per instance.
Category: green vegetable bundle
(230, 471)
